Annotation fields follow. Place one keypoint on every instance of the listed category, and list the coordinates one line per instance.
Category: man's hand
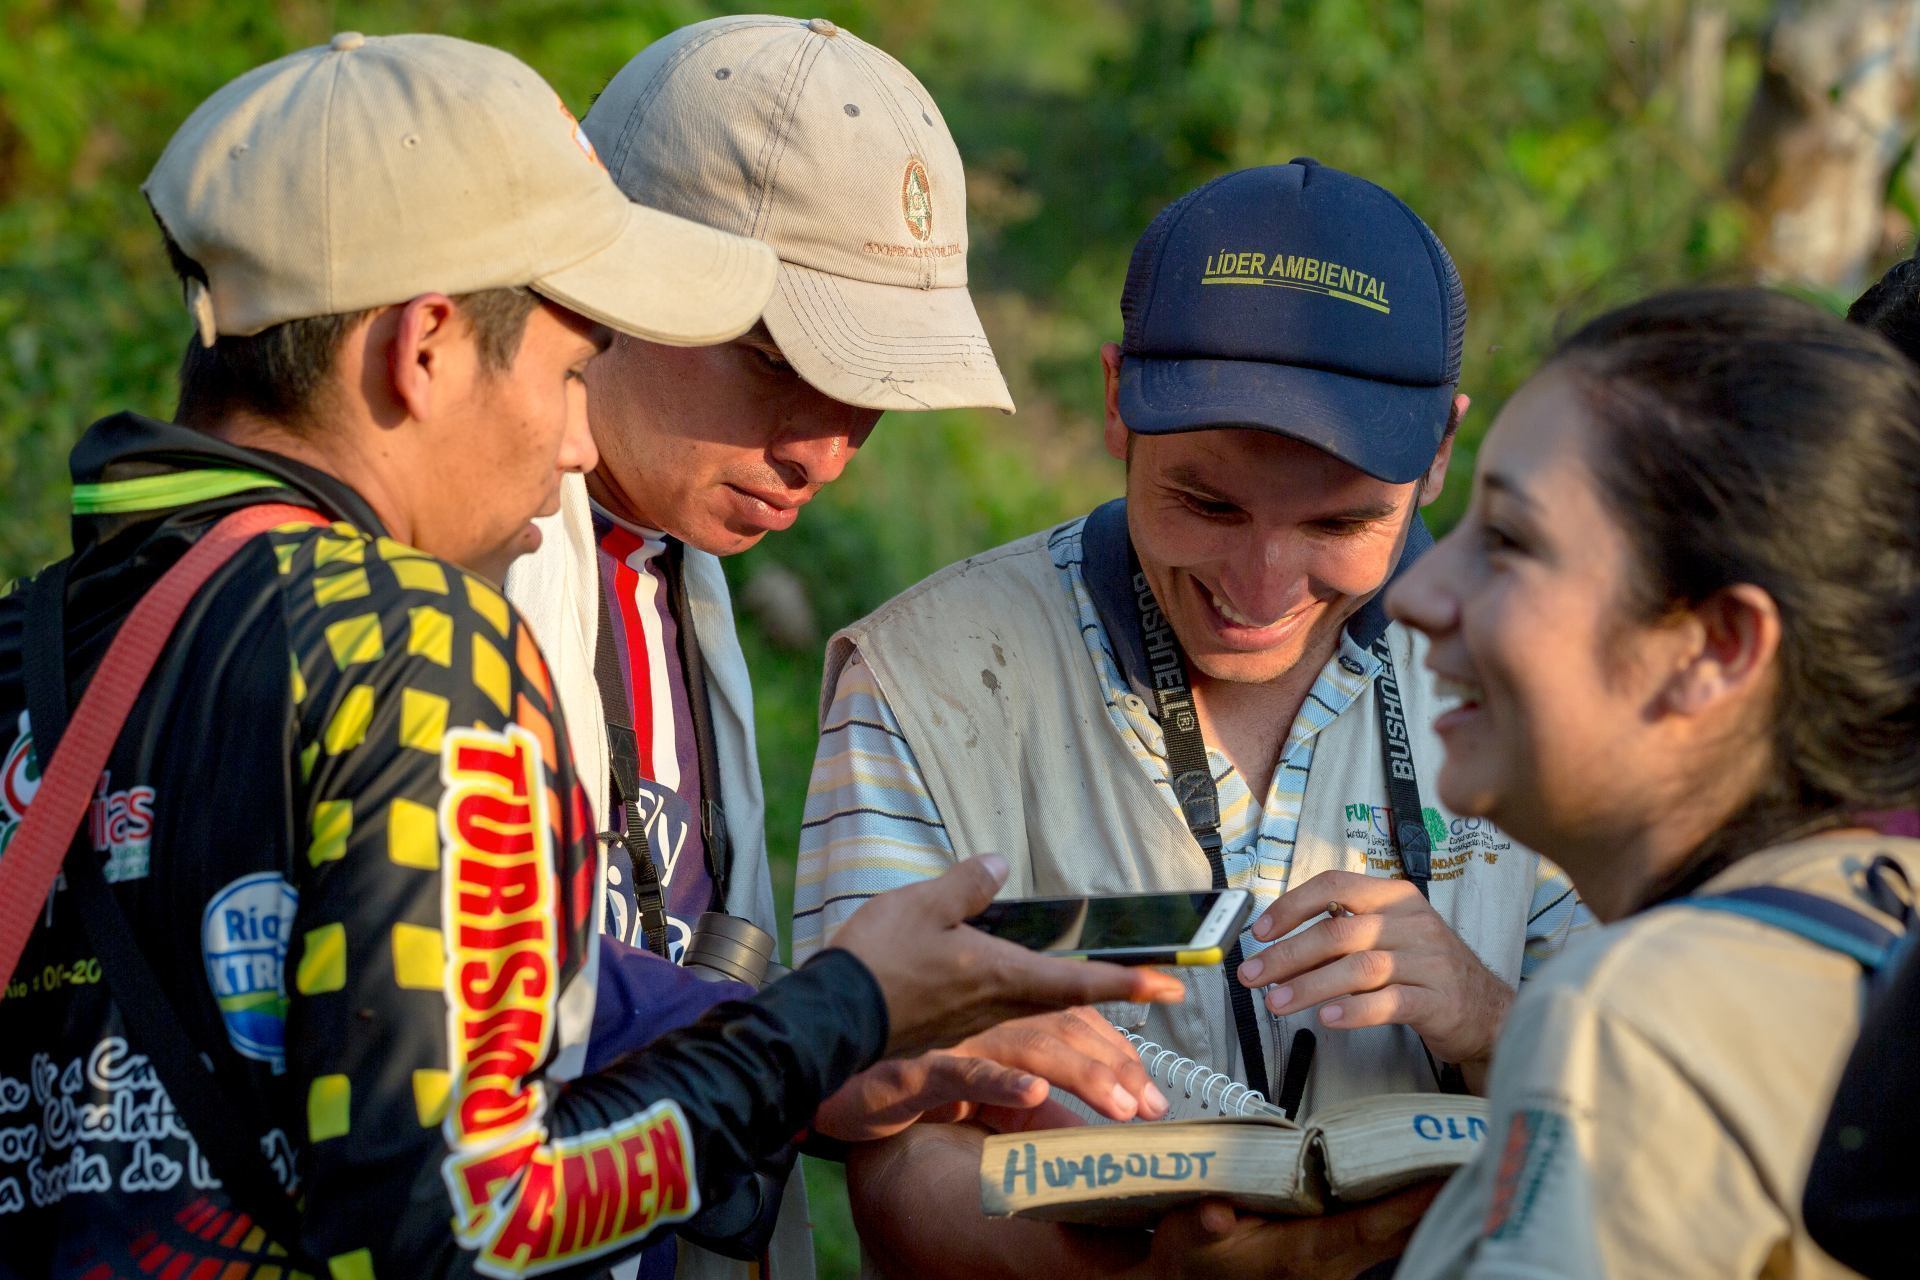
(1209, 1241)
(999, 1078)
(944, 981)
(1392, 960)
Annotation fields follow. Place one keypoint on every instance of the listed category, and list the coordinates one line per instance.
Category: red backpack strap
(67, 781)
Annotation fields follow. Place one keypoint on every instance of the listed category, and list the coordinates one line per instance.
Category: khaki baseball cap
(373, 169)
(801, 134)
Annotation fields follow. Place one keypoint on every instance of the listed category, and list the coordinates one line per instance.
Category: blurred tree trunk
(1829, 119)
(1703, 63)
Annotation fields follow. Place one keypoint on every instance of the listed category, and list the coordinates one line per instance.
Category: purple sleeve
(641, 996)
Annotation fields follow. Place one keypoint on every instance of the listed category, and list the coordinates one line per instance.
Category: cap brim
(1389, 430)
(885, 347)
(669, 279)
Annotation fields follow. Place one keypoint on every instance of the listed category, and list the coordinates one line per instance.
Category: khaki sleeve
(1603, 1160)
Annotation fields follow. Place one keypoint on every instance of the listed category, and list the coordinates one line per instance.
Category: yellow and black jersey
(346, 831)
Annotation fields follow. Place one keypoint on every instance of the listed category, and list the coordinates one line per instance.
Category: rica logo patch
(243, 935)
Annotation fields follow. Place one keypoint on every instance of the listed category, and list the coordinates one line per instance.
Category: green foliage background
(1542, 140)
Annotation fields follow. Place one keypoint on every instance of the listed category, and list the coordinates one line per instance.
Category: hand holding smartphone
(1124, 928)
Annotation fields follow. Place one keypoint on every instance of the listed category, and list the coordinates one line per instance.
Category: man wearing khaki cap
(802, 135)
(311, 995)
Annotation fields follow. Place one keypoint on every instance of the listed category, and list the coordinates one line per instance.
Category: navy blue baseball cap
(1300, 300)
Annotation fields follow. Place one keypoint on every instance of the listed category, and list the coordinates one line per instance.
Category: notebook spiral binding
(1215, 1089)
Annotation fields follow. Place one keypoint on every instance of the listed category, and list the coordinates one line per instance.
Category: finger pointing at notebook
(1379, 955)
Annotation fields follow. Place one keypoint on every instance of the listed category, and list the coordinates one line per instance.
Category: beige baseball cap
(800, 134)
(373, 169)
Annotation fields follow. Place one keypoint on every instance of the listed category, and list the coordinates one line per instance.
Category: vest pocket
(1125, 1014)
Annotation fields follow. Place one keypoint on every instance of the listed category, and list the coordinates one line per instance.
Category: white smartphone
(1124, 928)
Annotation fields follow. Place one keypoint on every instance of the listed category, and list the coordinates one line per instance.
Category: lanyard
(714, 836)
(623, 779)
(1194, 787)
(1408, 824)
(1199, 798)
(623, 755)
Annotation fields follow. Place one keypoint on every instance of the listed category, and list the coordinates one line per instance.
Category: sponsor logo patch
(1533, 1139)
(1457, 843)
(243, 936)
(19, 780)
(119, 823)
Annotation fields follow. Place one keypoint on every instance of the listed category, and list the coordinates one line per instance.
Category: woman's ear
(1736, 638)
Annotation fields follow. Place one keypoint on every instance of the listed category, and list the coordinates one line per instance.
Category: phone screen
(1116, 922)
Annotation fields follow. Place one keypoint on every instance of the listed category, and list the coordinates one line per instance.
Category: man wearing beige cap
(311, 995)
(802, 135)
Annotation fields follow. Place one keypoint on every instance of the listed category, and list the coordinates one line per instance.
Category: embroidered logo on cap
(1292, 271)
(916, 200)
(580, 138)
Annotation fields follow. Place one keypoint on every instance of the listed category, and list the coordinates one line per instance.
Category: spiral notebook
(1181, 1076)
(1247, 1152)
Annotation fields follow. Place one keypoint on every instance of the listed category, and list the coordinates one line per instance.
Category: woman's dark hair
(1749, 437)
(1891, 308)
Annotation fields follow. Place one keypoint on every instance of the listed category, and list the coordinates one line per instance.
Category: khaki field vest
(986, 669)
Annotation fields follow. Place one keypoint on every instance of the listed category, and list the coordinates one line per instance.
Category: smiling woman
(1682, 619)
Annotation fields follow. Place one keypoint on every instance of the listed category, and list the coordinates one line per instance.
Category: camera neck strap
(1151, 656)
(1407, 816)
(623, 753)
(623, 781)
(1193, 786)
(1154, 666)
(693, 665)
(1199, 795)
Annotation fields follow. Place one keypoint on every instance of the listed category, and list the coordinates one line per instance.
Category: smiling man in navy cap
(1196, 685)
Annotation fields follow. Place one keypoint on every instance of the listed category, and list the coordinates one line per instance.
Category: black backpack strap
(623, 759)
(713, 816)
(194, 1081)
(1862, 1196)
(43, 657)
